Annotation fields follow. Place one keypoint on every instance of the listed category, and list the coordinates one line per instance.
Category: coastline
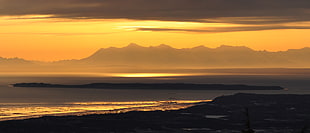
(145, 86)
(268, 113)
(35, 110)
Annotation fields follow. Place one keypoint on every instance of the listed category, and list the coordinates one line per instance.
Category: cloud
(225, 29)
(215, 11)
(58, 34)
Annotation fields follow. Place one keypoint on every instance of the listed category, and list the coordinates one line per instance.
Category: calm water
(18, 103)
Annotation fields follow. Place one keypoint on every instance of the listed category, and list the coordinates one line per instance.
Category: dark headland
(173, 86)
(225, 114)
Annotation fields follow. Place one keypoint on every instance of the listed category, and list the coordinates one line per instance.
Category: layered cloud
(263, 14)
(254, 11)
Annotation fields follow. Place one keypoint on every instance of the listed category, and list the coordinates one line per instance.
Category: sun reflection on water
(23, 111)
(142, 75)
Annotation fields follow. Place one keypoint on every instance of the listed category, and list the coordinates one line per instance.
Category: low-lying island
(171, 86)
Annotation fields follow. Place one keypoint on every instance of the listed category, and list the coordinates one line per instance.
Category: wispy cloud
(58, 34)
(224, 29)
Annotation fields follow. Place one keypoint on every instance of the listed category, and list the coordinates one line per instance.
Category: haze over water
(34, 102)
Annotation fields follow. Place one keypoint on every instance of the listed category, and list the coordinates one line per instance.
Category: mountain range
(164, 56)
(224, 56)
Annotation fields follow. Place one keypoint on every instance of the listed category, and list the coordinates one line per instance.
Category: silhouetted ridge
(164, 46)
(233, 48)
(223, 56)
(14, 61)
(133, 46)
(164, 56)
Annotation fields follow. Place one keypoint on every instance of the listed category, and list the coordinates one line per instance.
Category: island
(163, 86)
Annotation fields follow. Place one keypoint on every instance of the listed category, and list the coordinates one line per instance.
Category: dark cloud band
(272, 11)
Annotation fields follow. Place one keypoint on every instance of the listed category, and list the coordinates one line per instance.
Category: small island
(161, 86)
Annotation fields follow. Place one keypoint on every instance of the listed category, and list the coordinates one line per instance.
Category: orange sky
(50, 39)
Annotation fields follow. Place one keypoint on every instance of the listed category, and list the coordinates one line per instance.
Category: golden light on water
(24, 111)
(139, 102)
(143, 75)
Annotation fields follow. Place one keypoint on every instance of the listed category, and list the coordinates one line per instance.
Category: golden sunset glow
(153, 65)
(143, 75)
(49, 39)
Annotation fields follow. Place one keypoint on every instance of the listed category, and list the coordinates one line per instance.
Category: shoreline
(99, 108)
(268, 113)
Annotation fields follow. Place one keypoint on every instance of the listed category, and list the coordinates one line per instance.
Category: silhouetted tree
(304, 129)
(248, 128)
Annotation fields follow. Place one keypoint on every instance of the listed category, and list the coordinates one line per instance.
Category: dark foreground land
(226, 114)
(175, 86)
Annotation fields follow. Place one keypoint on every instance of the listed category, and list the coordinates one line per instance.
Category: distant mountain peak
(98, 51)
(133, 45)
(164, 46)
(200, 47)
(14, 58)
(227, 47)
(15, 61)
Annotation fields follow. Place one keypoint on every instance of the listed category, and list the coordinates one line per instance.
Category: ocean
(21, 103)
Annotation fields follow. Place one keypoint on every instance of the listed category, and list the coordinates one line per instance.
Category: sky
(74, 29)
